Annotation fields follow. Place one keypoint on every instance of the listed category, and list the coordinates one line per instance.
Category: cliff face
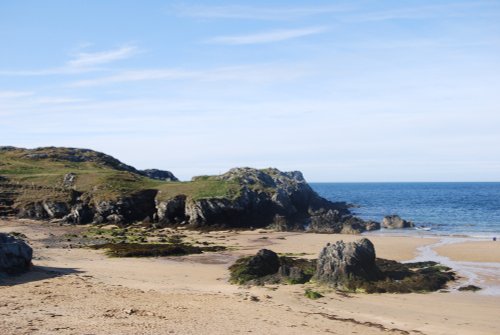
(265, 198)
(81, 186)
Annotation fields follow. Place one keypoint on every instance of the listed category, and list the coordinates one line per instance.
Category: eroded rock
(341, 262)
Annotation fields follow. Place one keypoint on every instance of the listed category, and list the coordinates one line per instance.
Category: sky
(344, 91)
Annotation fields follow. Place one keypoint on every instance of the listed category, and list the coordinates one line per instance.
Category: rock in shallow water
(395, 222)
(15, 254)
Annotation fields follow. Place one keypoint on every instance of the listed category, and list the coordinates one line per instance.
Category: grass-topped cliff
(82, 185)
(95, 173)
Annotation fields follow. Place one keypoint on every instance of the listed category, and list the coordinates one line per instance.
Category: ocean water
(469, 209)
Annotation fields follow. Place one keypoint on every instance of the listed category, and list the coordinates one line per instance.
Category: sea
(450, 209)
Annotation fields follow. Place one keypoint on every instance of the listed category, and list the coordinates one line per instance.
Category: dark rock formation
(341, 262)
(135, 207)
(346, 266)
(269, 197)
(395, 222)
(172, 211)
(15, 254)
(34, 210)
(265, 262)
(80, 213)
(353, 267)
(158, 174)
(267, 267)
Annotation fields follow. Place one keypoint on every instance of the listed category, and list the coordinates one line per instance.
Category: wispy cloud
(244, 73)
(421, 12)
(267, 37)
(14, 94)
(257, 13)
(136, 75)
(89, 59)
(80, 63)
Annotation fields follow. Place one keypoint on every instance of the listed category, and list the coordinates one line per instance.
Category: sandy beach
(82, 291)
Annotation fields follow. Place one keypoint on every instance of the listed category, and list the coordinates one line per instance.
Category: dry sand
(81, 291)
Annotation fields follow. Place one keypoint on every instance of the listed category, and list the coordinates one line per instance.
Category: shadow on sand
(35, 274)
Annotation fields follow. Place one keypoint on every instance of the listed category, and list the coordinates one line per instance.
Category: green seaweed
(312, 294)
(152, 250)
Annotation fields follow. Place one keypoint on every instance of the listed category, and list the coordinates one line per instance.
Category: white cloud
(421, 12)
(257, 13)
(267, 37)
(249, 73)
(14, 94)
(89, 59)
(82, 62)
(136, 75)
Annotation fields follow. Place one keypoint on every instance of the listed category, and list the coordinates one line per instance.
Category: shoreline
(412, 232)
(458, 252)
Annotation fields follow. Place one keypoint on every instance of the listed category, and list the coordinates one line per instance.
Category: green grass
(99, 178)
(199, 189)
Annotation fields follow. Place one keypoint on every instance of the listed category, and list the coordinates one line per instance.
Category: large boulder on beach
(265, 262)
(395, 222)
(15, 254)
(342, 262)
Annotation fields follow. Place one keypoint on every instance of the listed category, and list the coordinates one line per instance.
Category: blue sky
(343, 91)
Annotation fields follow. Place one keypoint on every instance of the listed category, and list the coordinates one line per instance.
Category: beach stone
(395, 222)
(265, 262)
(341, 262)
(15, 254)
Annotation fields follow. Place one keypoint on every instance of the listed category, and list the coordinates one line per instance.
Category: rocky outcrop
(75, 155)
(395, 222)
(342, 262)
(15, 254)
(69, 180)
(136, 207)
(267, 267)
(214, 212)
(101, 189)
(269, 197)
(80, 213)
(344, 266)
(172, 211)
(158, 174)
(33, 210)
